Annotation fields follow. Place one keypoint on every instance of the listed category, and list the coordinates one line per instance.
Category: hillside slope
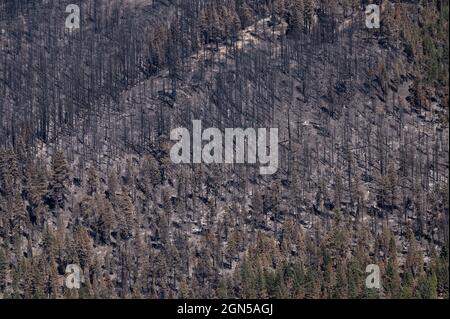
(86, 177)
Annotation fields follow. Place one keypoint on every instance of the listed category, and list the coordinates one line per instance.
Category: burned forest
(88, 104)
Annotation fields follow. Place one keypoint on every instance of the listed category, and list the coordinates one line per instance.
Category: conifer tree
(58, 182)
(3, 271)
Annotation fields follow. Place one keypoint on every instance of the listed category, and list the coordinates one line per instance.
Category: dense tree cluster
(85, 176)
(134, 239)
